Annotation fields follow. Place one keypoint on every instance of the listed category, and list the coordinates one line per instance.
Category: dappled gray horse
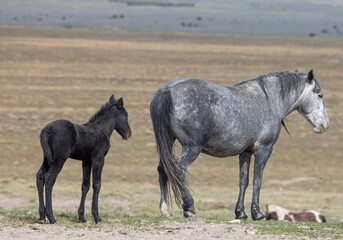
(243, 120)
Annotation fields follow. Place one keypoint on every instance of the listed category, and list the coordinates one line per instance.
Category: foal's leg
(244, 163)
(50, 178)
(163, 180)
(187, 156)
(40, 180)
(261, 158)
(97, 166)
(86, 167)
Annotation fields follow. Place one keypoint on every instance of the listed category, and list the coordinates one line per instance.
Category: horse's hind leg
(86, 167)
(40, 180)
(187, 156)
(163, 180)
(50, 178)
(244, 163)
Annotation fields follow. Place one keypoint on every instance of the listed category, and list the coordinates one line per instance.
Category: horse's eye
(320, 95)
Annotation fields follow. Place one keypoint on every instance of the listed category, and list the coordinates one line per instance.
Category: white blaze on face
(313, 109)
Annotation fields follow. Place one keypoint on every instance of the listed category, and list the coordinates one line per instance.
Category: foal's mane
(103, 110)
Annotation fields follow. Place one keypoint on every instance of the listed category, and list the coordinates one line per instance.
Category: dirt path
(167, 230)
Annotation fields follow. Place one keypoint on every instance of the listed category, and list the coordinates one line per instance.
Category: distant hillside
(266, 17)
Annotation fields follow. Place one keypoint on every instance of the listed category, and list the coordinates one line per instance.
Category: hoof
(241, 216)
(257, 216)
(165, 212)
(52, 221)
(82, 220)
(188, 214)
(97, 220)
(42, 221)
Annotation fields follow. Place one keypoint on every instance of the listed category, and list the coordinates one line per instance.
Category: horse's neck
(107, 125)
(284, 105)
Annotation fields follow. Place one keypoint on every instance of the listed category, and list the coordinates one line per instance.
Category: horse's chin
(318, 130)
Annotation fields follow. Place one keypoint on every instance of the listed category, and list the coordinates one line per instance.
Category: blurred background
(266, 17)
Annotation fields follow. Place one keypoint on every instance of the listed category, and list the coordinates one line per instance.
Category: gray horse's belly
(224, 149)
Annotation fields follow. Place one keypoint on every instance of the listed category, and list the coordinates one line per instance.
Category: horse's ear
(310, 76)
(112, 99)
(120, 103)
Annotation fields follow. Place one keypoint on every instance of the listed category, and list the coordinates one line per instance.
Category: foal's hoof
(82, 220)
(42, 221)
(256, 216)
(52, 221)
(188, 214)
(97, 220)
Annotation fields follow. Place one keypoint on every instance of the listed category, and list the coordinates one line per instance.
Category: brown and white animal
(274, 212)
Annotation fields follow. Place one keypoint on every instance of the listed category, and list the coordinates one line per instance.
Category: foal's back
(61, 137)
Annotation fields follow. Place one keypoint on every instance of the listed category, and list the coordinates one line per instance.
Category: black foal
(89, 143)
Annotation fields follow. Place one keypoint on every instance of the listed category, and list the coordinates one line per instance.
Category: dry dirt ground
(167, 230)
(48, 74)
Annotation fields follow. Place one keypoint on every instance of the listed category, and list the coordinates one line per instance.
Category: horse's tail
(44, 141)
(160, 110)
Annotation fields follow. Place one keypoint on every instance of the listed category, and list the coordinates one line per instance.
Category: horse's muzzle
(322, 128)
(127, 136)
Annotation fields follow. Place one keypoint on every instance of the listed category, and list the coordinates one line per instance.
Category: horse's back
(224, 120)
(61, 137)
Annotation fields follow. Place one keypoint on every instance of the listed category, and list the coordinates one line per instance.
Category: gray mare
(243, 120)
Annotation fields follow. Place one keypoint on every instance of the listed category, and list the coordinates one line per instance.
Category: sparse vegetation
(297, 229)
(124, 225)
(48, 74)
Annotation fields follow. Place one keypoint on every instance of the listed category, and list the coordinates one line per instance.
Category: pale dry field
(49, 74)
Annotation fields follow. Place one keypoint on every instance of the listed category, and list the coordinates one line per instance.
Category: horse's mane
(288, 81)
(104, 109)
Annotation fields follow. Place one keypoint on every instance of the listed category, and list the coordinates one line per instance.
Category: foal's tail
(44, 138)
(160, 110)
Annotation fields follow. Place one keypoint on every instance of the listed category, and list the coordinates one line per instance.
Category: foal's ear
(120, 103)
(112, 99)
(310, 76)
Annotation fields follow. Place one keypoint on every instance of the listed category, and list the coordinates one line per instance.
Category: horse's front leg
(86, 167)
(97, 166)
(187, 156)
(261, 158)
(244, 163)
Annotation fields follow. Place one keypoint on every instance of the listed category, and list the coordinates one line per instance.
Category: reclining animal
(274, 212)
